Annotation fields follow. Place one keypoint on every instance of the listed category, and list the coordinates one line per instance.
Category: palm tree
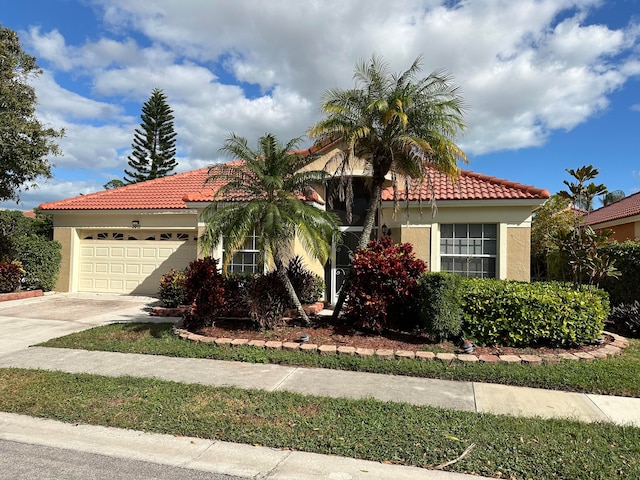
(269, 183)
(611, 197)
(399, 124)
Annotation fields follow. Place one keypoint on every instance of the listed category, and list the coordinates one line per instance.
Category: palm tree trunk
(367, 229)
(293, 296)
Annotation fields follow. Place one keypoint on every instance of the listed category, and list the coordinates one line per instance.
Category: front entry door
(342, 258)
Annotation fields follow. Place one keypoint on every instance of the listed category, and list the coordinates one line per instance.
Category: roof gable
(623, 208)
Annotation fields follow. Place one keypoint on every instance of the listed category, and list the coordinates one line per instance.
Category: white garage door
(131, 261)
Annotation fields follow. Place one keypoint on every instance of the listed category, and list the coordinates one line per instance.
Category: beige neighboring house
(122, 240)
(623, 217)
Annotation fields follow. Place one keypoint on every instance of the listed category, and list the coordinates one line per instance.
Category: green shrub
(528, 314)
(10, 276)
(625, 319)
(267, 300)
(439, 305)
(625, 288)
(308, 286)
(40, 259)
(204, 287)
(235, 287)
(172, 289)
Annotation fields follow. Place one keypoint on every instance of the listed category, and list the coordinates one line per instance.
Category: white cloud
(526, 68)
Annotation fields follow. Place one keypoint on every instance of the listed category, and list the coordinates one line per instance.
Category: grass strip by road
(505, 447)
(613, 376)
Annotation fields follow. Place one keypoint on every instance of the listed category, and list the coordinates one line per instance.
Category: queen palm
(399, 124)
(270, 185)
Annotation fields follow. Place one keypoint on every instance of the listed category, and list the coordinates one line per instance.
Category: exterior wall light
(135, 224)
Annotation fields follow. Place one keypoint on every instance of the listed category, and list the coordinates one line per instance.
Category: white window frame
(237, 263)
(484, 240)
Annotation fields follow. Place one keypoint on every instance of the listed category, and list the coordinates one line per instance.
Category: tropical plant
(308, 286)
(153, 143)
(270, 184)
(172, 289)
(583, 193)
(384, 282)
(398, 124)
(611, 197)
(25, 143)
(548, 219)
(204, 291)
(580, 244)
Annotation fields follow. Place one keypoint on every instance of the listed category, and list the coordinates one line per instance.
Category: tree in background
(556, 214)
(154, 142)
(399, 124)
(25, 143)
(582, 193)
(611, 197)
(115, 183)
(579, 245)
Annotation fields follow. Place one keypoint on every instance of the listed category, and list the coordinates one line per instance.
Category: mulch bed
(325, 331)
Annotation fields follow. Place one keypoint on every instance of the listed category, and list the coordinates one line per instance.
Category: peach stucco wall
(518, 253)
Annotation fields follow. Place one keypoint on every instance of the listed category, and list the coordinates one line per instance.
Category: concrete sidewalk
(24, 323)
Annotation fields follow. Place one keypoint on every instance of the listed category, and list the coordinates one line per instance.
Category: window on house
(245, 260)
(469, 250)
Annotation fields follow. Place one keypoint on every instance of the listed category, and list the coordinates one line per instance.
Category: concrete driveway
(34, 320)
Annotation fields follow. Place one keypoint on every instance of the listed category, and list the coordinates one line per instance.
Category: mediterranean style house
(623, 217)
(123, 240)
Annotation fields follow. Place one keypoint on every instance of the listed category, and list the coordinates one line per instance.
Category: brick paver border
(613, 348)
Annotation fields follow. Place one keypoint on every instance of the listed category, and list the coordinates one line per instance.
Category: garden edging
(615, 347)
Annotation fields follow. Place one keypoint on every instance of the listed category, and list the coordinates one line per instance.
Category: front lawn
(613, 376)
(505, 447)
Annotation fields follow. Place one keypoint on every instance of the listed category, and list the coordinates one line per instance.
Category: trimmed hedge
(40, 259)
(626, 288)
(519, 314)
(440, 310)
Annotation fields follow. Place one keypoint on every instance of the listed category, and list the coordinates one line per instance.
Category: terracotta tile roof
(174, 191)
(470, 186)
(626, 207)
(171, 192)
(161, 193)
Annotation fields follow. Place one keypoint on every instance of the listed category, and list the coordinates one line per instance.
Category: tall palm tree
(611, 197)
(269, 183)
(399, 124)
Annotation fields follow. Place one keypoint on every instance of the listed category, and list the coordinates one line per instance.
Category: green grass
(505, 447)
(614, 376)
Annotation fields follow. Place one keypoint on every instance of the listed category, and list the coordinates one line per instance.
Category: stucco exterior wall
(519, 254)
(421, 229)
(168, 220)
(420, 238)
(624, 232)
(66, 238)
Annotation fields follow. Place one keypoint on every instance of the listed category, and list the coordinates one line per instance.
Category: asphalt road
(21, 461)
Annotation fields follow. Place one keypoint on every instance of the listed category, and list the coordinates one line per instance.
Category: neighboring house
(623, 217)
(122, 240)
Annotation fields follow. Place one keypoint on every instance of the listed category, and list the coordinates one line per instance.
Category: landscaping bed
(327, 331)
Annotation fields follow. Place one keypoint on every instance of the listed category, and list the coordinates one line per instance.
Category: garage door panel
(116, 268)
(86, 267)
(103, 252)
(130, 266)
(150, 252)
(101, 268)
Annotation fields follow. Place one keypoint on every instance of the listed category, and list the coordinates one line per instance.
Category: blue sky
(550, 84)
